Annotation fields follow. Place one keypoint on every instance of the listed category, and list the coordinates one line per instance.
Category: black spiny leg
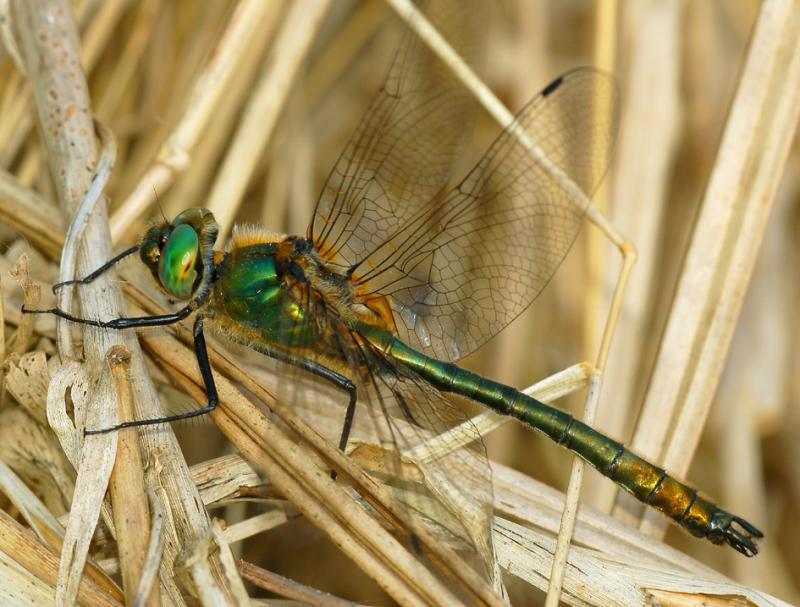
(345, 384)
(327, 374)
(338, 380)
(90, 277)
(205, 368)
(348, 420)
(152, 321)
(341, 382)
(201, 353)
(119, 323)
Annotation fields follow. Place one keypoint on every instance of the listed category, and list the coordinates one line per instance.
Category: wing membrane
(467, 263)
(411, 413)
(401, 155)
(398, 411)
(455, 265)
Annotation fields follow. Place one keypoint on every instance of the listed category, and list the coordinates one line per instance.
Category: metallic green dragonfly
(399, 276)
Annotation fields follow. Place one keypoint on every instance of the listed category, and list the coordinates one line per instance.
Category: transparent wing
(467, 263)
(451, 490)
(401, 155)
(397, 412)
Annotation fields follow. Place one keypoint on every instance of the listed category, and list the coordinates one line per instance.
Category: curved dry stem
(49, 44)
(74, 238)
(128, 492)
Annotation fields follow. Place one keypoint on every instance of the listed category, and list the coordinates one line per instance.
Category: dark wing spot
(552, 86)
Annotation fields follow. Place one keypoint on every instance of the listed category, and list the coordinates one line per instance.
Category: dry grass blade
(570, 510)
(209, 89)
(94, 470)
(40, 560)
(32, 293)
(263, 109)
(596, 579)
(269, 92)
(288, 588)
(127, 490)
(195, 566)
(80, 218)
(47, 528)
(2, 341)
(155, 551)
(26, 380)
(21, 588)
(725, 243)
(31, 214)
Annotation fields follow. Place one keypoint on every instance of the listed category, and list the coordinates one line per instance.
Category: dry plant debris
(243, 106)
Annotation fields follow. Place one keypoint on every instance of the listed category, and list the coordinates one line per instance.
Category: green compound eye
(176, 267)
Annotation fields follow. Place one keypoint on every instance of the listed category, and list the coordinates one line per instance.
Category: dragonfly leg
(90, 277)
(406, 409)
(327, 374)
(201, 352)
(321, 371)
(348, 421)
(119, 323)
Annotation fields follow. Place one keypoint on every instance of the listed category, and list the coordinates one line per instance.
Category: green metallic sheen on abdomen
(251, 294)
(648, 483)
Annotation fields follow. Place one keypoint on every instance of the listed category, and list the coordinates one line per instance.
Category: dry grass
(243, 107)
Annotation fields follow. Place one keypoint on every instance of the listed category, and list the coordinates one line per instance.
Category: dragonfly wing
(401, 155)
(466, 264)
(450, 488)
(397, 413)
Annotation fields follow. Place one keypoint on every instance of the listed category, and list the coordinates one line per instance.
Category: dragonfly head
(180, 254)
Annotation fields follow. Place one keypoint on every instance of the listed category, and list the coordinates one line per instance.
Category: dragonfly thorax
(263, 291)
(280, 292)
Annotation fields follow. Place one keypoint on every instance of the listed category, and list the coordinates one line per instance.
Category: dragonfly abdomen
(648, 483)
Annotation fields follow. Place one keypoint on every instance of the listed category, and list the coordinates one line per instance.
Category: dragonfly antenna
(160, 208)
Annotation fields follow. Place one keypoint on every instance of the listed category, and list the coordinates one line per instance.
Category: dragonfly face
(179, 254)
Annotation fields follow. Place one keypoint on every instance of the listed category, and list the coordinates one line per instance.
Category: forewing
(401, 155)
(466, 264)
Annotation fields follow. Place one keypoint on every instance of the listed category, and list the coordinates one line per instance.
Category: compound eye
(177, 265)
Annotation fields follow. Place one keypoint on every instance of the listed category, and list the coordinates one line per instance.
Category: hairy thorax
(275, 291)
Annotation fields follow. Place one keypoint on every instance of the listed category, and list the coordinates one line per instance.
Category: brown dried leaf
(27, 380)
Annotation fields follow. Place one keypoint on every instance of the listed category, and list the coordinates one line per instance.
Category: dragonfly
(400, 275)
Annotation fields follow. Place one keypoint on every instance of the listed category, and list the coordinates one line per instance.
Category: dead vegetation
(243, 107)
